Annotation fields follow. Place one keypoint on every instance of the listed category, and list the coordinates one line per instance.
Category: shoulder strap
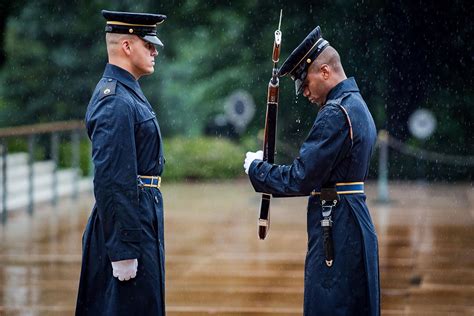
(338, 102)
(348, 119)
(108, 88)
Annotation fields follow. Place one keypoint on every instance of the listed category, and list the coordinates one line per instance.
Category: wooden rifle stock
(269, 140)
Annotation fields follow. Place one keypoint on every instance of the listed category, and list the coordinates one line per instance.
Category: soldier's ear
(126, 47)
(325, 71)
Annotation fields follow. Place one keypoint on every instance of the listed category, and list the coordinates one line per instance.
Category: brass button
(308, 60)
(130, 30)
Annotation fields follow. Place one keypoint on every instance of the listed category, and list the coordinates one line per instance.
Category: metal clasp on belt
(329, 199)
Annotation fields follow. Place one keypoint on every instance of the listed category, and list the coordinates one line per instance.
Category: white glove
(251, 156)
(125, 270)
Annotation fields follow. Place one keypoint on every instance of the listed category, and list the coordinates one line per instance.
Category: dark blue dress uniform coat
(351, 285)
(127, 220)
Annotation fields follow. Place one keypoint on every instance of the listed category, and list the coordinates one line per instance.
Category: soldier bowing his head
(341, 270)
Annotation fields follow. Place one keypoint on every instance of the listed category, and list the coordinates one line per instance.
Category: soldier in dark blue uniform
(333, 161)
(123, 244)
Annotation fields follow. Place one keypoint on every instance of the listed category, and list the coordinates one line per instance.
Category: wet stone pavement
(215, 263)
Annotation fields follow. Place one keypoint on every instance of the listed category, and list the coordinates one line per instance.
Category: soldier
(341, 269)
(123, 244)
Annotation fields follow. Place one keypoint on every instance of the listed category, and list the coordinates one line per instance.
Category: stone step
(18, 175)
(15, 159)
(41, 182)
(23, 170)
(43, 194)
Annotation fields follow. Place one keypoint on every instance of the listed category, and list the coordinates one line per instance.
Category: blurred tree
(56, 53)
(404, 55)
(7, 8)
(51, 54)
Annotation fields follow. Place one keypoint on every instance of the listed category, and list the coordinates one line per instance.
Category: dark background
(405, 55)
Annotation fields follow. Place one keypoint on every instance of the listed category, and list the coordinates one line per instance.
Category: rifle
(269, 140)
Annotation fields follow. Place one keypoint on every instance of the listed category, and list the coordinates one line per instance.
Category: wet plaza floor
(216, 265)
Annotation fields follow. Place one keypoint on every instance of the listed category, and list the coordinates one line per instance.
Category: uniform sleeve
(322, 149)
(111, 129)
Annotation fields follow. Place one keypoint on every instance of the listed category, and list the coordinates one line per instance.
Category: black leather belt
(346, 188)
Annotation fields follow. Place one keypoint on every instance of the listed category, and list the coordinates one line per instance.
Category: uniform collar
(347, 85)
(126, 78)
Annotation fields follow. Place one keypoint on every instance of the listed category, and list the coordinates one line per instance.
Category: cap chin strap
(131, 24)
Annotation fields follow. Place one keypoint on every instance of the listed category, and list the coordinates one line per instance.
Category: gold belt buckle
(152, 178)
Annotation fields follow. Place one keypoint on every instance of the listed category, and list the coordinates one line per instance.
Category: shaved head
(323, 75)
(330, 57)
(114, 42)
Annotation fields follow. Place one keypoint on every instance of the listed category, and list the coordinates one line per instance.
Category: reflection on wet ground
(216, 264)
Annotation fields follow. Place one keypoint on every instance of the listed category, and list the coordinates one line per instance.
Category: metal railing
(75, 130)
(385, 140)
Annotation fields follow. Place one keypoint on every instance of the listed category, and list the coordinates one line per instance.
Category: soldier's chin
(313, 101)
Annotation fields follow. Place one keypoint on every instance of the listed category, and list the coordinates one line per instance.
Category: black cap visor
(298, 86)
(300, 78)
(152, 39)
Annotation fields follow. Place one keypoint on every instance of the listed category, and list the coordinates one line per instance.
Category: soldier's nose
(306, 92)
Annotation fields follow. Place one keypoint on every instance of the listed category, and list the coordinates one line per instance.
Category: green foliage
(43, 151)
(49, 62)
(65, 156)
(55, 54)
(17, 144)
(20, 144)
(202, 158)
